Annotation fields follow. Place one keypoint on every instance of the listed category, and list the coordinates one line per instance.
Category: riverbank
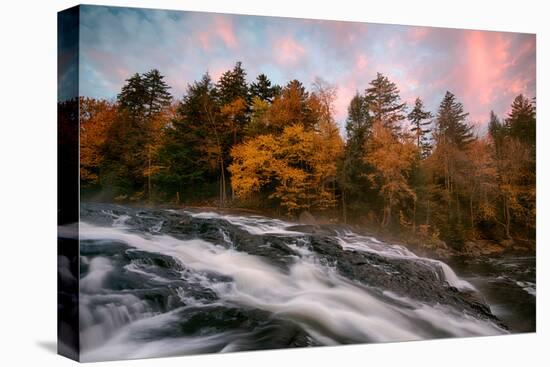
(422, 245)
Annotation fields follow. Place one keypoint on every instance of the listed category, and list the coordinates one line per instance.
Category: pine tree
(134, 97)
(420, 121)
(352, 168)
(521, 122)
(385, 103)
(232, 85)
(157, 93)
(234, 100)
(188, 163)
(262, 89)
(451, 125)
(358, 122)
(497, 133)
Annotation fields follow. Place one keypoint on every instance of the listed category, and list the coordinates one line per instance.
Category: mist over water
(163, 282)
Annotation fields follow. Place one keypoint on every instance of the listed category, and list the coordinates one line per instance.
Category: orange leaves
(254, 164)
(96, 117)
(295, 163)
(392, 161)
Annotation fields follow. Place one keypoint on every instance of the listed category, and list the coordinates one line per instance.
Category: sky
(484, 69)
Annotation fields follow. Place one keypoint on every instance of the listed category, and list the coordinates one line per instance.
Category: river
(156, 282)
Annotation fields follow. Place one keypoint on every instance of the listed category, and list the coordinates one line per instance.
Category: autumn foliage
(279, 148)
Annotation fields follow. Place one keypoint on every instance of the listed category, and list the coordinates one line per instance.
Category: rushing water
(164, 282)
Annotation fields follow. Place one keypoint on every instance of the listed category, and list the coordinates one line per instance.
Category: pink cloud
(204, 40)
(220, 29)
(288, 51)
(418, 33)
(488, 71)
(224, 30)
(344, 94)
(361, 62)
(114, 71)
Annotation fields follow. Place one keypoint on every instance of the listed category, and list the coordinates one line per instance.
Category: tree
(481, 184)
(262, 89)
(352, 169)
(449, 166)
(156, 89)
(497, 132)
(281, 163)
(201, 109)
(514, 153)
(259, 122)
(128, 146)
(291, 107)
(451, 125)
(385, 103)
(232, 85)
(186, 157)
(133, 97)
(521, 121)
(328, 143)
(420, 121)
(517, 187)
(233, 95)
(96, 117)
(392, 161)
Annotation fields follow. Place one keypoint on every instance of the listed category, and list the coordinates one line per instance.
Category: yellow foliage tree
(96, 116)
(392, 161)
(295, 163)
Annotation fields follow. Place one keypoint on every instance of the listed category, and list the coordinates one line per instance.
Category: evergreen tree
(352, 168)
(497, 132)
(232, 85)
(131, 136)
(262, 89)
(157, 93)
(187, 169)
(451, 125)
(420, 121)
(358, 122)
(521, 122)
(452, 168)
(234, 99)
(133, 97)
(385, 103)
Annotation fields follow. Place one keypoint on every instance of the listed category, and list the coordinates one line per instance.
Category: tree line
(278, 148)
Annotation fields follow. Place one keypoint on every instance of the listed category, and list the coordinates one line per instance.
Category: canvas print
(238, 183)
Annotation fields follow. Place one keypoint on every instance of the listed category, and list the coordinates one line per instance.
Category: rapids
(170, 282)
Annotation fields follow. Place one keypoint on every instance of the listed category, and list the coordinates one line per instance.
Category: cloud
(486, 70)
(288, 50)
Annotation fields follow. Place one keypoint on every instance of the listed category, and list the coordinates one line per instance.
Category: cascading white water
(329, 307)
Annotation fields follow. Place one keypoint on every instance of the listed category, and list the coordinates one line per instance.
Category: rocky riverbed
(160, 282)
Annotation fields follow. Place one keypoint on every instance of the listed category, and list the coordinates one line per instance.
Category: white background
(28, 182)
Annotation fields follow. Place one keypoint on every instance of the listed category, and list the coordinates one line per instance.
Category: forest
(278, 149)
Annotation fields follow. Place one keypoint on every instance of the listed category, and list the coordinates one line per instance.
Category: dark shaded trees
(128, 148)
(420, 120)
(385, 103)
(262, 89)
